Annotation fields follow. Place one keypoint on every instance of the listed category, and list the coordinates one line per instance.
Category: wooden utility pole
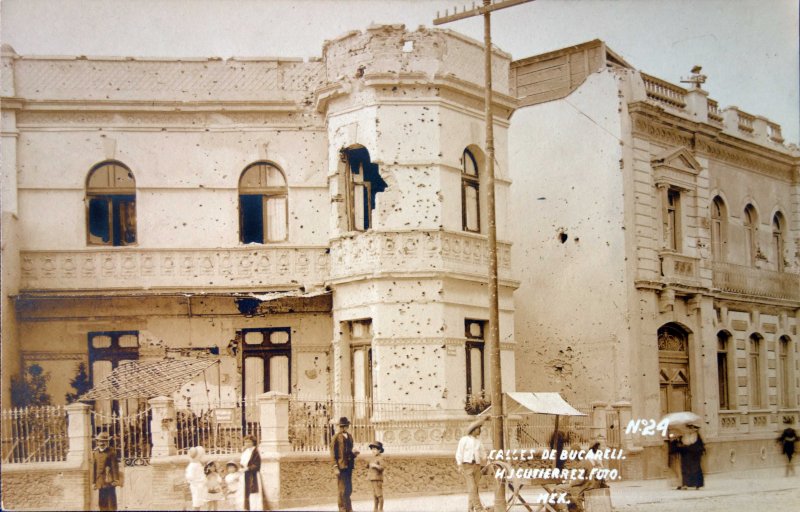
(498, 413)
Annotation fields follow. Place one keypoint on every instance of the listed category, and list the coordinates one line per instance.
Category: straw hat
(102, 436)
(196, 452)
(476, 424)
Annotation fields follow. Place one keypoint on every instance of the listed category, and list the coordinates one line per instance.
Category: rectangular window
(267, 355)
(471, 210)
(672, 224)
(756, 393)
(475, 375)
(783, 373)
(722, 374)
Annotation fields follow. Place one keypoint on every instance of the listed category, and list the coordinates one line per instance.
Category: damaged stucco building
(316, 224)
(659, 255)
(320, 226)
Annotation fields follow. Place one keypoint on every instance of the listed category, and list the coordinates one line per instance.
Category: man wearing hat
(375, 475)
(105, 472)
(470, 458)
(344, 458)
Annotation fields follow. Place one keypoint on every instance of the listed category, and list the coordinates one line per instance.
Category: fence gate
(131, 438)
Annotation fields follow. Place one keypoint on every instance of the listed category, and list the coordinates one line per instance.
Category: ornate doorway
(673, 369)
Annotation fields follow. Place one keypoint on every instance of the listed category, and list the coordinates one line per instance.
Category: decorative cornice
(48, 355)
(654, 123)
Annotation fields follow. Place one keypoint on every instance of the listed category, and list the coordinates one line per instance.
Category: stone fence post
(79, 433)
(163, 426)
(274, 415)
(273, 410)
(598, 420)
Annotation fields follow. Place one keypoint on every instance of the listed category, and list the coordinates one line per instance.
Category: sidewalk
(625, 495)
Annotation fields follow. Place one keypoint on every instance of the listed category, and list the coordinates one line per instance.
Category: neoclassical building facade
(660, 252)
(319, 226)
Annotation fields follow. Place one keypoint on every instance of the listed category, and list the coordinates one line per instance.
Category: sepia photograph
(400, 255)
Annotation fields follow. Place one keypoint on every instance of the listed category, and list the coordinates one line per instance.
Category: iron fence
(312, 421)
(219, 427)
(129, 434)
(34, 434)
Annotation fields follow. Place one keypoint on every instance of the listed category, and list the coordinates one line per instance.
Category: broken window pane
(252, 219)
(99, 220)
(365, 182)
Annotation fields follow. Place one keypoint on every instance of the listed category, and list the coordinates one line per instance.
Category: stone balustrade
(756, 282)
(416, 251)
(134, 268)
(664, 93)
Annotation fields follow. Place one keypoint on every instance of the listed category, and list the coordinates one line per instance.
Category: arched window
(719, 229)
(755, 346)
(750, 233)
(110, 205)
(777, 240)
(262, 204)
(470, 188)
(723, 348)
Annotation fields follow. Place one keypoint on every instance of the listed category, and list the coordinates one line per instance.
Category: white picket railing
(34, 434)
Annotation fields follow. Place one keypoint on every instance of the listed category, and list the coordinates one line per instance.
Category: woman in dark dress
(690, 447)
(788, 439)
(251, 462)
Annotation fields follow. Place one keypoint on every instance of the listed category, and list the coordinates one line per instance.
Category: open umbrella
(679, 419)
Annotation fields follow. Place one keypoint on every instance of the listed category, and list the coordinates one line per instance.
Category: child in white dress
(214, 492)
(196, 478)
(234, 486)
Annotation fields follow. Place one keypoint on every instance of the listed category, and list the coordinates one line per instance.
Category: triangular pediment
(679, 159)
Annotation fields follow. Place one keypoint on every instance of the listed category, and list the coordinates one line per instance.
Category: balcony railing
(752, 281)
(714, 113)
(132, 268)
(664, 92)
(416, 251)
(679, 269)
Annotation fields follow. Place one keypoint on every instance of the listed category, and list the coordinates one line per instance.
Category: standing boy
(375, 475)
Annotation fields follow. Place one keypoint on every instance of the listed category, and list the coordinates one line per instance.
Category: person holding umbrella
(690, 448)
(787, 440)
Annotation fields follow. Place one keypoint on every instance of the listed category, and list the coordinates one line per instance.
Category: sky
(748, 48)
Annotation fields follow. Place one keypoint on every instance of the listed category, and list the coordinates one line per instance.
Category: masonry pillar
(163, 426)
(274, 443)
(624, 412)
(79, 433)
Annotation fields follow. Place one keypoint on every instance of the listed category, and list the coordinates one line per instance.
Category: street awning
(539, 403)
(148, 378)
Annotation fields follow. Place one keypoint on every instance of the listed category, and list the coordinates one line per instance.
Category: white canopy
(538, 403)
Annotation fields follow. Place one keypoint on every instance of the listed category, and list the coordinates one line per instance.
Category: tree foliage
(80, 383)
(30, 388)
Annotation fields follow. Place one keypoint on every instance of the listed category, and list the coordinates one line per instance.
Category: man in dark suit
(344, 458)
(105, 473)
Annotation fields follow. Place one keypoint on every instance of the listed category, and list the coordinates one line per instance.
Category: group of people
(344, 462)
(240, 488)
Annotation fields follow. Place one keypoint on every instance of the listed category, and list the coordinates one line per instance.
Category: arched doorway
(673, 369)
